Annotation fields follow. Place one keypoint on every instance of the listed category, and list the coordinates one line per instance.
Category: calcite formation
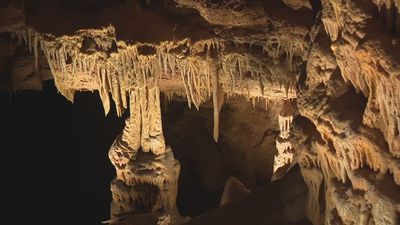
(285, 150)
(350, 161)
(84, 62)
(133, 75)
(332, 67)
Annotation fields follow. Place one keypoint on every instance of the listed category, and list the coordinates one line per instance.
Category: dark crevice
(316, 7)
(350, 106)
(308, 128)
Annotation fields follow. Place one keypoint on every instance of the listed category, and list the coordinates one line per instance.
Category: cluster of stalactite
(389, 14)
(370, 71)
(94, 60)
(333, 171)
(132, 76)
(342, 164)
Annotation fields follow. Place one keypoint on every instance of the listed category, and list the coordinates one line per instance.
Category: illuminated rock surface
(326, 71)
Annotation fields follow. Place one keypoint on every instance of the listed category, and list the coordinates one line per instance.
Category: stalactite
(191, 87)
(28, 31)
(172, 63)
(253, 101)
(186, 88)
(216, 91)
(104, 90)
(24, 36)
(35, 51)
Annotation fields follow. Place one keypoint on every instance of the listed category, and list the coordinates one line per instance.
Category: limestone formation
(285, 150)
(348, 150)
(332, 68)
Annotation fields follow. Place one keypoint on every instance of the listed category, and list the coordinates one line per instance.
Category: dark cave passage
(191, 141)
(243, 151)
(55, 157)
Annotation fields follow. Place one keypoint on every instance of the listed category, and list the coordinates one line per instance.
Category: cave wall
(350, 159)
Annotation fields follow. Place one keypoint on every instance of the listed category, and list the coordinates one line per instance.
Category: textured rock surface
(330, 68)
(350, 161)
